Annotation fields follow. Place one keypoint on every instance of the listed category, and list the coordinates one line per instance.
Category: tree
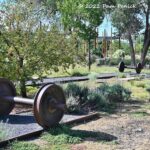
(144, 7)
(81, 17)
(132, 21)
(30, 45)
(127, 23)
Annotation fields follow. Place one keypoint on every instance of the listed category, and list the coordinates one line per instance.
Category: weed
(23, 146)
(64, 135)
(61, 135)
(4, 131)
(93, 76)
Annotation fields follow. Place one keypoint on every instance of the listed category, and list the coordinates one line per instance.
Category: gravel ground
(18, 124)
(132, 131)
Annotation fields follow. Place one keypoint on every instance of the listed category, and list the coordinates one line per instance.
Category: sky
(106, 25)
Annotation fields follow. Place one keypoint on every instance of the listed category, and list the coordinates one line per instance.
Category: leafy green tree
(30, 45)
(127, 23)
(131, 21)
(81, 17)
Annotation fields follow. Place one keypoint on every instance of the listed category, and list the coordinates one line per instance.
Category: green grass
(139, 114)
(31, 91)
(60, 135)
(23, 146)
(83, 70)
(59, 147)
(138, 89)
(4, 131)
(64, 135)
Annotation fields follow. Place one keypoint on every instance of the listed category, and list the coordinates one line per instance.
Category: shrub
(72, 90)
(103, 61)
(61, 135)
(119, 54)
(80, 93)
(73, 105)
(97, 52)
(93, 76)
(81, 98)
(96, 100)
(114, 93)
(76, 73)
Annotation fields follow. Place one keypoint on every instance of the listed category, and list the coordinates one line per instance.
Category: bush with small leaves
(96, 100)
(114, 93)
(82, 98)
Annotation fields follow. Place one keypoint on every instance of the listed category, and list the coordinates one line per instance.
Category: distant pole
(97, 38)
(111, 44)
(89, 63)
(119, 40)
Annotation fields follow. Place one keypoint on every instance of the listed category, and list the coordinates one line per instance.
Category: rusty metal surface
(24, 125)
(6, 89)
(47, 105)
(138, 68)
(121, 66)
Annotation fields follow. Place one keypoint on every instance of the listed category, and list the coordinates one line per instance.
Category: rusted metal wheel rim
(45, 115)
(139, 68)
(121, 66)
(6, 89)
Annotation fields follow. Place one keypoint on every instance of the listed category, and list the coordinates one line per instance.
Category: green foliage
(139, 114)
(29, 46)
(97, 51)
(140, 84)
(96, 100)
(76, 14)
(23, 146)
(77, 73)
(120, 54)
(93, 76)
(5, 132)
(61, 135)
(81, 98)
(114, 93)
(64, 135)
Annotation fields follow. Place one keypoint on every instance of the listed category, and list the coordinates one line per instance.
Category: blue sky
(106, 25)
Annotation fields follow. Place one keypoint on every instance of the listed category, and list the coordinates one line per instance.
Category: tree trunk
(132, 51)
(23, 91)
(119, 42)
(144, 52)
(89, 56)
(146, 43)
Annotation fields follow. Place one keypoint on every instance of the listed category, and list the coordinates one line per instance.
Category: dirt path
(127, 129)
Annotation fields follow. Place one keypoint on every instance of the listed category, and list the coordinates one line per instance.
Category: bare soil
(129, 129)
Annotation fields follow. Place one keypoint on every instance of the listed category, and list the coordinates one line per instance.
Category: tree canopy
(30, 46)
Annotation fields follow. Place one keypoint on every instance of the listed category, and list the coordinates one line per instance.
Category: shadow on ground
(82, 134)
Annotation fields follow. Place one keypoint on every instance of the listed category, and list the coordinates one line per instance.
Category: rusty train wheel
(6, 89)
(121, 66)
(44, 111)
